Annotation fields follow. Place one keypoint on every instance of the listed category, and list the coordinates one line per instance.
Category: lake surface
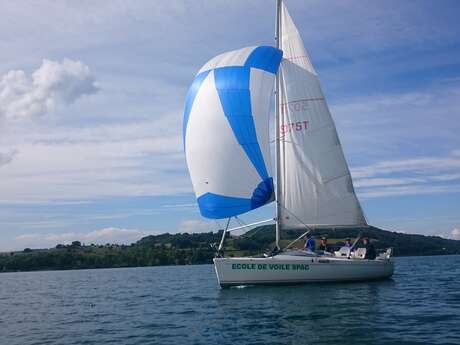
(184, 305)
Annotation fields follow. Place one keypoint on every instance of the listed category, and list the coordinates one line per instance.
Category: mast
(277, 132)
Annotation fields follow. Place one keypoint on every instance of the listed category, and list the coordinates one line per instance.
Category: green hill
(184, 249)
(402, 244)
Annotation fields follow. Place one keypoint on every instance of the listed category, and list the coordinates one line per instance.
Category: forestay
(315, 182)
(226, 131)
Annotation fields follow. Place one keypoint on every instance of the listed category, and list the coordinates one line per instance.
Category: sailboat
(227, 146)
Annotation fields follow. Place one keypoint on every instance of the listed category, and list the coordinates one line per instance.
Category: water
(183, 305)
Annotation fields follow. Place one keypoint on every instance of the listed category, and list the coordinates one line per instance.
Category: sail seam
(296, 57)
(336, 178)
(304, 100)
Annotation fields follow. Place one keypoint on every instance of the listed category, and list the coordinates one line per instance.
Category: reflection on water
(183, 304)
(320, 313)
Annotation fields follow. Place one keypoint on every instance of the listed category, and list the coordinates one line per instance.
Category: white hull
(289, 269)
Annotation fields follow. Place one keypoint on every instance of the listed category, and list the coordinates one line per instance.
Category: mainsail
(226, 131)
(315, 182)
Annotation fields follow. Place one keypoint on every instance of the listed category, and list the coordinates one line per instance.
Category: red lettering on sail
(298, 126)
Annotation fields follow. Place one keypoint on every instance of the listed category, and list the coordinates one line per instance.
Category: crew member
(323, 245)
(348, 243)
(309, 243)
(370, 249)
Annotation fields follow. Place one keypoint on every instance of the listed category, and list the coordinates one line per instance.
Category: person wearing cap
(309, 243)
(323, 245)
(370, 249)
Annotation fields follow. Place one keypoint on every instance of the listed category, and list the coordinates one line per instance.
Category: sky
(92, 94)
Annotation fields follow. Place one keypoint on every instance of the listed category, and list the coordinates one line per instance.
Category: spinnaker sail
(315, 183)
(226, 131)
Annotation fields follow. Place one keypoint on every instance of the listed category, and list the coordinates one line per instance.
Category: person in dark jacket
(324, 246)
(370, 249)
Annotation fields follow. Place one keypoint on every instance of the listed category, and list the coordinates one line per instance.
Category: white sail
(315, 182)
(226, 131)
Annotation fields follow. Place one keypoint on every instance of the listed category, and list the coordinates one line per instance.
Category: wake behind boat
(226, 141)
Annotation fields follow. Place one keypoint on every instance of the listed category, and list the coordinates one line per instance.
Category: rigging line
(245, 235)
(360, 234)
(221, 244)
(292, 214)
(298, 238)
(240, 221)
(306, 226)
(249, 225)
(354, 243)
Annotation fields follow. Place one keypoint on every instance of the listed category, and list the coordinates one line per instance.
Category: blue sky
(91, 97)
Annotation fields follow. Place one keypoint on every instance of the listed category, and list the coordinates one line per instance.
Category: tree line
(199, 248)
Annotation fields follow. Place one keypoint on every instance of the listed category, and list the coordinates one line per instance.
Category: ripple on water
(183, 305)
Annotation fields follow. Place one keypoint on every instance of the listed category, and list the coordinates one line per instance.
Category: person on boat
(346, 249)
(309, 243)
(370, 249)
(323, 245)
(348, 243)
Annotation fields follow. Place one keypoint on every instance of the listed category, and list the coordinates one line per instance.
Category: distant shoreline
(170, 265)
(195, 249)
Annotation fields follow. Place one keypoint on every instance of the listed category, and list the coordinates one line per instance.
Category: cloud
(111, 235)
(422, 175)
(195, 225)
(181, 205)
(407, 190)
(453, 234)
(140, 158)
(52, 85)
(378, 182)
(421, 165)
(7, 157)
(398, 124)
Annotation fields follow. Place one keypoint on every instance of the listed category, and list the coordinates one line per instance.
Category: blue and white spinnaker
(226, 131)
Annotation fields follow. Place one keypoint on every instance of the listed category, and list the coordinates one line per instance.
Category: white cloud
(111, 235)
(180, 206)
(195, 225)
(453, 234)
(445, 177)
(395, 124)
(421, 165)
(422, 175)
(406, 190)
(378, 182)
(50, 86)
(6, 157)
(112, 159)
